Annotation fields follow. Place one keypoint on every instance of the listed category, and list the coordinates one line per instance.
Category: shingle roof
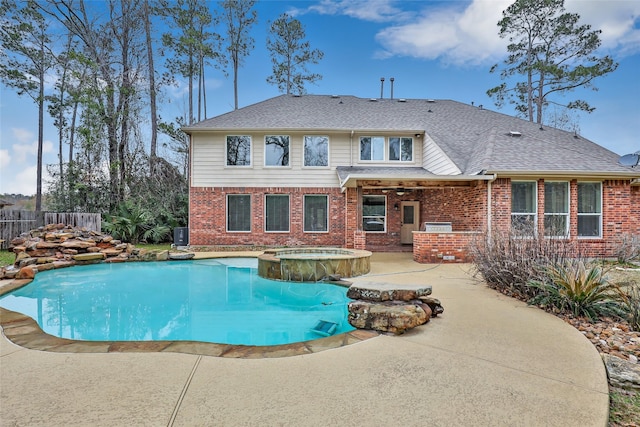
(475, 139)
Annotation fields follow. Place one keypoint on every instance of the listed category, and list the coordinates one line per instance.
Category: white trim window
(238, 150)
(400, 149)
(556, 209)
(316, 151)
(524, 207)
(238, 213)
(276, 213)
(276, 150)
(374, 214)
(316, 213)
(589, 209)
(372, 148)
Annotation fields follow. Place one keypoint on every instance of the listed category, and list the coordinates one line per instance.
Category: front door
(410, 217)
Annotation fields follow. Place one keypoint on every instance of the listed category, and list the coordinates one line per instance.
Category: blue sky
(433, 49)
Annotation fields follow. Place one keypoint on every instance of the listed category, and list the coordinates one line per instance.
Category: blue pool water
(220, 301)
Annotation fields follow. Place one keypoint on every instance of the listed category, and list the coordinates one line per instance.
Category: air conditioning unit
(181, 236)
(437, 227)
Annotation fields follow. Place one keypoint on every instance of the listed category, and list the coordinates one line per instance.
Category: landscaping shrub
(134, 224)
(632, 305)
(627, 248)
(582, 290)
(509, 262)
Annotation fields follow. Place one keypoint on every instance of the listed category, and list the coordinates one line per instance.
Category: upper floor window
(556, 209)
(524, 208)
(589, 209)
(238, 150)
(371, 148)
(401, 149)
(316, 150)
(276, 150)
(374, 213)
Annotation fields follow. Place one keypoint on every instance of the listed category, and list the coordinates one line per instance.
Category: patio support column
(359, 235)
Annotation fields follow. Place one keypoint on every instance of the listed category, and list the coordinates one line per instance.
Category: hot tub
(312, 264)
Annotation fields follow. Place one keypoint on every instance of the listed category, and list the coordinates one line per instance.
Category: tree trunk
(152, 88)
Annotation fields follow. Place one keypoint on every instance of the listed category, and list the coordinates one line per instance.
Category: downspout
(489, 208)
(351, 149)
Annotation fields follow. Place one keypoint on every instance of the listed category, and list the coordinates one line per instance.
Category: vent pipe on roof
(392, 79)
(381, 87)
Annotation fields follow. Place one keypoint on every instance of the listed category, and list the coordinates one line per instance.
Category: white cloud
(5, 158)
(21, 134)
(619, 21)
(23, 151)
(467, 33)
(366, 10)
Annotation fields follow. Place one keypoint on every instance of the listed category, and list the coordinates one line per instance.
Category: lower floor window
(589, 209)
(556, 209)
(374, 209)
(238, 212)
(316, 208)
(276, 212)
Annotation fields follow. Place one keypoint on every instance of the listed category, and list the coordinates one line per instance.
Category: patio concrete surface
(488, 360)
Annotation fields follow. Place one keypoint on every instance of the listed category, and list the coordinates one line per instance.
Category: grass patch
(6, 258)
(624, 408)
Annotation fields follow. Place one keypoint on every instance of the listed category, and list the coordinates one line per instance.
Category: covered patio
(409, 208)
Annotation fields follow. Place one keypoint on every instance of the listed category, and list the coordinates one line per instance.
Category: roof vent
(373, 99)
(515, 134)
(402, 100)
(431, 100)
(335, 96)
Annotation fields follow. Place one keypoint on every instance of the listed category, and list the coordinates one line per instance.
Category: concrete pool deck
(488, 360)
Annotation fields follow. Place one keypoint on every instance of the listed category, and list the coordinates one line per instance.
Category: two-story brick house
(319, 170)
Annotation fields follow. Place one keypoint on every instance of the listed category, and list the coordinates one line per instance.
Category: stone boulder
(394, 317)
(377, 292)
(622, 373)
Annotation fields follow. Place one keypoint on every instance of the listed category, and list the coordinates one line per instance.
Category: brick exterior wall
(207, 218)
(442, 247)
(464, 207)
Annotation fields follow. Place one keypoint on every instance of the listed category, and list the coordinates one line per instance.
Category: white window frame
(266, 219)
(372, 137)
(566, 214)
(304, 213)
(227, 214)
(304, 150)
(384, 230)
(226, 152)
(587, 214)
(400, 138)
(288, 165)
(534, 184)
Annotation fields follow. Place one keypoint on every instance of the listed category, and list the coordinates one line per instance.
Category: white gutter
(420, 177)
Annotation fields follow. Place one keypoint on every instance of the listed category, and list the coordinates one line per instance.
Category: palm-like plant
(580, 290)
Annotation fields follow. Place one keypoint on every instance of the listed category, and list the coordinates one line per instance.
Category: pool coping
(25, 332)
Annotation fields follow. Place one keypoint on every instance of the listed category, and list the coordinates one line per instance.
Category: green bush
(583, 291)
(134, 224)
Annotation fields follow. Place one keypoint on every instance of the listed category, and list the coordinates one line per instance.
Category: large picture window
(374, 213)
(401, 149)
(316, 209)
(371, 148)
(238, 212)
(238, 150)
(524, 208)
(276, 212)
(276, 150)
(316, 151)
(556, 209)
(589, 209)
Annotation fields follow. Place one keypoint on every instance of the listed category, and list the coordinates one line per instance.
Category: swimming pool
(220, 301)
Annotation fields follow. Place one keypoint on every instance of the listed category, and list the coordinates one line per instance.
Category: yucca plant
(583, 291)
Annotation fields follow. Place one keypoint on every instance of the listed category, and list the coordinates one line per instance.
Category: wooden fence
(15, 222)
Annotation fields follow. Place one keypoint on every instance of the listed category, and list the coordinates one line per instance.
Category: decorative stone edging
(25, 332)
